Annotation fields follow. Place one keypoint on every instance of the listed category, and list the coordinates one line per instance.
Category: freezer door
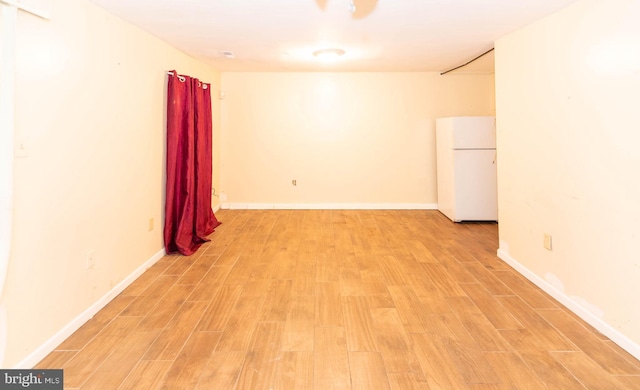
(476, 192)
(474, 132)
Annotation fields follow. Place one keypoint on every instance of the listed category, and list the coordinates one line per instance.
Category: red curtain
(189, 218)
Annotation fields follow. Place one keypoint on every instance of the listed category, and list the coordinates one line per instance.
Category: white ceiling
(382, 35)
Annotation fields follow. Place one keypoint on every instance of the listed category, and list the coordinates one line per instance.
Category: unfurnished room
(319, 194)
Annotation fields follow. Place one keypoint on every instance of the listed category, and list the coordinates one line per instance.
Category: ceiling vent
(227, 54)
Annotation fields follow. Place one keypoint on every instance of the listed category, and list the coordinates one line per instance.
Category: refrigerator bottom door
(476, 190)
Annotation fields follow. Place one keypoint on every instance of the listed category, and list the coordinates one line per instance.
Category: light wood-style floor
(338, 299)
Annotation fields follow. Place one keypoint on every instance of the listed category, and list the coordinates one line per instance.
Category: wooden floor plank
(367, 371)
(546, 336)
(550, 372)
(208, 286)
(488, 279)
(239, 328)
(259, 369)
(616, 348)
(394, 343)
(485, 335)
(630, 381)
(439, 370)
(443, 280)
(278, 299)
(526, 290)
(512, 371)
(295, 371)
(148, 277)
(462, 348)
(330, 359)
(189, 364)
(431, 299)
(588, 372)
(144, 303)
(166, 308)
(197, 271)
(327, 265)
(405, 381)
(220, 308)
(358, 324)
(78, 370)
(169, 343)
(147, 375)
(299, 324)
(409, 308)
(222, 370)
(490, 307)
(178, 268)
(339, 299)
(592, 345)
(328, 308)
(115, 368)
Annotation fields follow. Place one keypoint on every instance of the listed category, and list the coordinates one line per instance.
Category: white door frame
(9, 20)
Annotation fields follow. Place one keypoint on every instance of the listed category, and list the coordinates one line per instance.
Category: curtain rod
(183, 79)
(458, 67)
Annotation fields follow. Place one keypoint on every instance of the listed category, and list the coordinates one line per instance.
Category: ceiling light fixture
(329, 54)
(227, 54)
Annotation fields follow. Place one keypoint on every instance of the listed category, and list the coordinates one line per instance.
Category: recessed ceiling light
(329, 54)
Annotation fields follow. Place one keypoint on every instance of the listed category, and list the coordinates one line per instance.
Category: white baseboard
(614, 334)
(330, 206)
(43, 350)
(216, 208)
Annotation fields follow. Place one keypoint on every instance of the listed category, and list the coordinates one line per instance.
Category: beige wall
(347, 138)
(568, 93)
(90, 105)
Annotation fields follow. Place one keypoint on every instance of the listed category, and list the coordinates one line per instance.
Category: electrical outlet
(21, 147)
(547, 241)
(91, 259)
(150, 224)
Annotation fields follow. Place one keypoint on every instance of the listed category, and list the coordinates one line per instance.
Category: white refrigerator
(466, 168)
